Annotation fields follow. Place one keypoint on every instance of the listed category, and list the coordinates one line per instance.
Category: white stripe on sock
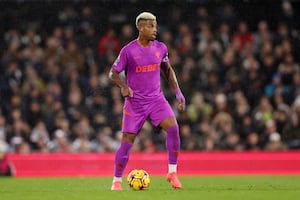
(172, 168)
(117, 179)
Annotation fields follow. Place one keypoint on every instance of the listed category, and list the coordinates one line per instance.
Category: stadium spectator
(252, 143)
(242, 37)
(109, 43)
(6, 168)
(275, 143)
(39, 138)
(291, 131)
(60, 142)
(72, 58)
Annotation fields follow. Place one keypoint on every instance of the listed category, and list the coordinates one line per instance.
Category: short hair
(144, 16)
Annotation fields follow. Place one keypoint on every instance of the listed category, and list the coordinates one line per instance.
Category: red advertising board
(191, 163)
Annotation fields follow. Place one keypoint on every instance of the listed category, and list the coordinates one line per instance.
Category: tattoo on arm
(170, 76)
(114, 77)
(167, 72)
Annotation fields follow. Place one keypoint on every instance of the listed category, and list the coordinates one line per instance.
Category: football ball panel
(138, 179)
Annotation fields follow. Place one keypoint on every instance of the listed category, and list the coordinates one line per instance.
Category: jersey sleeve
(165, 59)
(121, 61)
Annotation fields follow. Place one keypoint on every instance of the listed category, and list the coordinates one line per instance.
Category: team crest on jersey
(157, 54)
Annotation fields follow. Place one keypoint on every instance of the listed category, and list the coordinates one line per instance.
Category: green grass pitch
(194, 187)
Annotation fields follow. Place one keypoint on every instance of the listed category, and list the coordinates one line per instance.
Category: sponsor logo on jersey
(147, 68)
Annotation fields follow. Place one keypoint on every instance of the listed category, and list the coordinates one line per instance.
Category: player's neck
(143, 42)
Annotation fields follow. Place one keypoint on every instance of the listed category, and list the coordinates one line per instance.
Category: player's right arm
(118, 66)
(115, 78)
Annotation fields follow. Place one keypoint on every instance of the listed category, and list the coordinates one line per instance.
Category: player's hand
(127, 92)
(180, 98)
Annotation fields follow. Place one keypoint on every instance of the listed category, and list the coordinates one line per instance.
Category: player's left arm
(170, 75)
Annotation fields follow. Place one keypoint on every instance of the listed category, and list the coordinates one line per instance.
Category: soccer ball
(138, 179)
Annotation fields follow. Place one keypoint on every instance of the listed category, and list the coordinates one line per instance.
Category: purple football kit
(142, 70)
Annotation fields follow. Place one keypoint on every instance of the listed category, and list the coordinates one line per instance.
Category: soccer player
(142, 60)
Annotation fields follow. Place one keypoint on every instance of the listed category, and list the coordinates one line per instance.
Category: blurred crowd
(240, 76)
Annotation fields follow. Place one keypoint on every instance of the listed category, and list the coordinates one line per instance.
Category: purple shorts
(135, 113)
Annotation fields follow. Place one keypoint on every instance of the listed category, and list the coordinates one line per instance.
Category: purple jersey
(142, 68)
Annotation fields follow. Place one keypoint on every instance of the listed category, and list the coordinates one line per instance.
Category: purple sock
(173, 143)
(121, 159)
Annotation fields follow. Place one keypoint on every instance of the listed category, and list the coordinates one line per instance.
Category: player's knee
(168, 122)
(128, 137)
